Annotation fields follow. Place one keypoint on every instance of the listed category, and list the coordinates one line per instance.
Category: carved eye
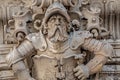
(62, 20)
(59, 19)
(52, 19)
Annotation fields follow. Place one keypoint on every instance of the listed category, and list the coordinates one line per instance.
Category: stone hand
(81, 72)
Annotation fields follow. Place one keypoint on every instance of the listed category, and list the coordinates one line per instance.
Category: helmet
(56, 8)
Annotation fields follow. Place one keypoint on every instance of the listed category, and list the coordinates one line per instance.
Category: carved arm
(15, 60)
(102, 51)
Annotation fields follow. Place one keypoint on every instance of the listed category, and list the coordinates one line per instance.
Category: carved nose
(57, 22)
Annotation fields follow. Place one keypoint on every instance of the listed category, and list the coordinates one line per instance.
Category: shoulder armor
(78, 38)
(38, 41)
(13, 57)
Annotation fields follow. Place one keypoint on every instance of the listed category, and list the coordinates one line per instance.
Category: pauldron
(19, 53)
(84, 39)
(98, 47)
(78, 39)
(38, 41)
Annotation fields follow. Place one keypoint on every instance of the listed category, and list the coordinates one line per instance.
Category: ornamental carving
(59, 40)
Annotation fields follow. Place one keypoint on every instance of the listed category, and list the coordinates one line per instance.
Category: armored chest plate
(55, 68)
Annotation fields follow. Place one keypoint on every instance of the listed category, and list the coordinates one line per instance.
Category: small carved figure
(59, 52)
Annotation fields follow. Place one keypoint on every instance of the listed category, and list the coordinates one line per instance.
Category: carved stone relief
(59, 40)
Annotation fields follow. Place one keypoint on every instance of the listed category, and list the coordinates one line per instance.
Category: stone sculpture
(60, 45)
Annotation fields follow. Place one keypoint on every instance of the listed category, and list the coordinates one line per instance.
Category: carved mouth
(58, 34)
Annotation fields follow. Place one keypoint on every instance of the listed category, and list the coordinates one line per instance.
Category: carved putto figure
(59, 46)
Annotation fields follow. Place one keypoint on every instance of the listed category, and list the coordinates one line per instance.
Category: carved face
(57, 28)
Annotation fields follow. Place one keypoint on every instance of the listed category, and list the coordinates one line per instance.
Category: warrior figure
(59, 51)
